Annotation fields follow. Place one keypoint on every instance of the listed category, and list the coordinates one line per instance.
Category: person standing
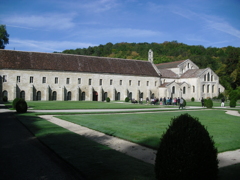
(181, 103)
(222, 104)
(202, 101)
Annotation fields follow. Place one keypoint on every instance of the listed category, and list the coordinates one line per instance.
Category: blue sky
(57, 25)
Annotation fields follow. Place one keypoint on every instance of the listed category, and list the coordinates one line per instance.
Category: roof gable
(64, 62)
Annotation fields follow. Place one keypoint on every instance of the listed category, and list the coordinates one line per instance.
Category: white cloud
(122, 32)
(45, 46)
(91, 6)
(225, 27)
(48, 21)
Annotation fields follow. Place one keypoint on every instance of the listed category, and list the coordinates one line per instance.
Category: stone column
(31, 93)
(100, 93)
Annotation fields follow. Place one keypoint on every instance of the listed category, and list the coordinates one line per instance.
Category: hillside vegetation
(224, 61)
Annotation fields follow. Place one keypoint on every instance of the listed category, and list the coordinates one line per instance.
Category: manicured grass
(93, 160)
(52, 105)
(147, 128)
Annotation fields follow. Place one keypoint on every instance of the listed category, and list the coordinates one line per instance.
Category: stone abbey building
(56, 76)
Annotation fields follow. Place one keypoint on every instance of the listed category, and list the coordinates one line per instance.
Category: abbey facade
(55, 76)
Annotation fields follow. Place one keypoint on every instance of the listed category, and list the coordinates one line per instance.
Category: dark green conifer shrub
(127, 99)
(21, 106)
(186, 151)
(15, 102)
(192, 99)
(233, 103)
(5, 99)
(209, 103)
(184, 103)
(108, 99)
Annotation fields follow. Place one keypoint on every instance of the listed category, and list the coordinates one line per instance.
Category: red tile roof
(165, 73)
(191, 73)
(77, 63)
(169, 64)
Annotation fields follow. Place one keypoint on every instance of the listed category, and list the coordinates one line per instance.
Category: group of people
(164, 101)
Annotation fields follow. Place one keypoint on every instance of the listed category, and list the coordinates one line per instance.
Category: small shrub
(15, 102)
(127, 99)
(192, 99)
(208, 103)
(5, 99)
(108, 99)
(21, 106)
(184, 103)
(186, 151)
(233, 103)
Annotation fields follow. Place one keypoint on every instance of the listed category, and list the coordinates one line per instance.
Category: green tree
(3, 36)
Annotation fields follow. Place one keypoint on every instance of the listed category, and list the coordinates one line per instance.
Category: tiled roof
(169, 64)
(165, 73)
(77, 63)
(191, 73)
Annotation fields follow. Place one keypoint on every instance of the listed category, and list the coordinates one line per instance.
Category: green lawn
(147, 128)
(51, 105)
(96, 161)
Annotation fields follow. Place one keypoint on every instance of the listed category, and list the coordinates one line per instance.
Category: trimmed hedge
(127, 99)
(15, 102)
(186, 151)
(108, 99)
(233, 103)
(208, 103)
(21, 106)
(192, 99)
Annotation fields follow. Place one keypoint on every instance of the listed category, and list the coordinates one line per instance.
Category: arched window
(118, 96)
(212, 88)
(211, 77)
(39, 96)
(173, 90)
(203, 88)
(205, 77)
(69, 96)
(208, 88)
(188, 65)
(130, 95)
(95, 96)
(83, 96)
(208, 77)
(54, 96)
(152, 96)
(184, 90)
(193, 89)
(4, 93)
(22, 94)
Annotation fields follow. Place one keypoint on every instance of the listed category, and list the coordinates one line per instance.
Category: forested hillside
(224, 61)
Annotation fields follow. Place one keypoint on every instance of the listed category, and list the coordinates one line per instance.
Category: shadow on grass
(93, 160)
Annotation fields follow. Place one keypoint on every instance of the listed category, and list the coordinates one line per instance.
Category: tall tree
(3, 36)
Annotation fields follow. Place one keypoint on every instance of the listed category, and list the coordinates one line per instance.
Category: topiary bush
(186, 151)
(233, 103)
(208, 103)
(108, 99)
(5, 99)
(184, 103)
(21, 106)
(15, 102)
(127, 99)
(192, 99)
